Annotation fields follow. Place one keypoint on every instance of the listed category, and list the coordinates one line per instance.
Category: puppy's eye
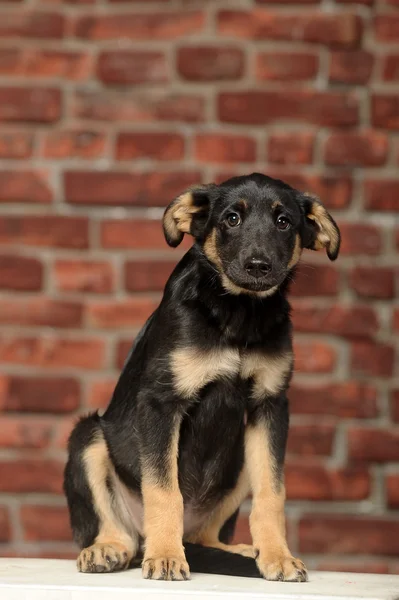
(233, 220)
(282, 222)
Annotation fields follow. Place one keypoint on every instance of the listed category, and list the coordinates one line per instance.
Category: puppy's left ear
(321, 231)
(188, 213)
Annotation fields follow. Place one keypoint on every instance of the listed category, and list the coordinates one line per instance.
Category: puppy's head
(252, 229)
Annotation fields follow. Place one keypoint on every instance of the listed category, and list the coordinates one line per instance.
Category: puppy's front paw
(168, 568)
(281, 568)
(104, 558)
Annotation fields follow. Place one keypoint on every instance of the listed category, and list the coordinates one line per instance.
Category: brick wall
(108, 110)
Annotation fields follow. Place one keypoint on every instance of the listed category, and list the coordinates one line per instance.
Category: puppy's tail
(213, 562)
(219, 562)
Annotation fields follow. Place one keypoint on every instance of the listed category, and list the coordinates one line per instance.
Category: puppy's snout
(256, 267)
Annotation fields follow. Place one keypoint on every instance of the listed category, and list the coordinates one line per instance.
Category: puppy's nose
(257, 267)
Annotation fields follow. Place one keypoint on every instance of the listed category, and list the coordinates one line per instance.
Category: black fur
(197, 310)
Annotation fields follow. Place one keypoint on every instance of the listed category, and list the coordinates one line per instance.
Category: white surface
(36, 579)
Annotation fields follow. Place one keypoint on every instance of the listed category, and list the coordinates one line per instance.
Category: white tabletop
(37, 579)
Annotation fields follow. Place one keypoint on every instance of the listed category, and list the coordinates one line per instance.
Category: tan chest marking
(268, 371)
(193, 368)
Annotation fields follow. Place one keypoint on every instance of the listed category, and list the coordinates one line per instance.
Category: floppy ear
(321, 229)
(188, 213)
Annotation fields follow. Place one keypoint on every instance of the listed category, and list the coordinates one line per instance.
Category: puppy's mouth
(259, 286)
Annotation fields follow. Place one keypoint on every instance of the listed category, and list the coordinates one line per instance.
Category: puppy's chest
(194, 368)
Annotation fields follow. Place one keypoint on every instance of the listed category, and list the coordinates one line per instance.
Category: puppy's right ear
(188, 213)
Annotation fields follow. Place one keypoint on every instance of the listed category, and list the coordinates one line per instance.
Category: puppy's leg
(267, 519)
(107, 546)
(209, 534)
(164, 556)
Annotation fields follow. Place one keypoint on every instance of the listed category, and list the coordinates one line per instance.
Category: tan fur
(267, 519)
(276, 204)
(208, 535)
(113, 547)
(180, 213)
(193, 368)
(210, 249)
(327, 236)
(268, 371)
(296, 254)
(163, 519)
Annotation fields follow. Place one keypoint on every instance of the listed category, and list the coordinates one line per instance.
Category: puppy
(199, 416)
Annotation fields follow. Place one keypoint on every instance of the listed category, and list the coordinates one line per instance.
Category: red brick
(294, 148)
(341, 29)
(84, 276)
(315, 280)
(315, 357)
(132, 67)
(206, 63)
(349, 535)
(147, 275)
(41, 394)
(224, 148)
(360, 238)
(350, 399)
(258, 107)
(137, 234)
(373, 359)
(273, 2)
(351, 66)
(16, 144)
(386, 27)
(151, 144)
(140, 234)
(115, 315)
(382, 194)
(20, 273)
(396, 320)
(138, 107)
(25, 186)
(32, 24)
(385, 111)
(362, 565)
(73, 144)
(242, 533)
(31, 475)
(34, 62)
(290, 66)
(395, 405)
(63, 431)
(45, 231)
(367, 149)
(100, 393)
(122, 351)
(390, 67)
(392, 485)
(45, 523)
(353, 321)
(376, 445)
(5, 525)
(36, 105)
(316, 482)
(373, 282)
(335, 192)
(140, 26)
(311, 440)
(125, 188)
(52, 351)
(25, 432)
(40, 311)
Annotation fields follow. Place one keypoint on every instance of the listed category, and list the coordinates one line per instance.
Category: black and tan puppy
(199, 417)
